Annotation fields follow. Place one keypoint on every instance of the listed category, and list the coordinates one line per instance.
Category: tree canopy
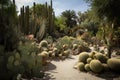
(70, 16)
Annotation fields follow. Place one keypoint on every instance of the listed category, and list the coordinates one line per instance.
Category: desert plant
(66, 53)
(80, 66)
(64, 41)
(100, 57)
(105, 67)
(96, 66)
(114, 64)
(87, 67)
(75, 46)
(43, 43)
(83, 57)
(89, 60)
(91, 55)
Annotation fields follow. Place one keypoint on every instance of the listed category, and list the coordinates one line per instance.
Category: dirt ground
(63, 70)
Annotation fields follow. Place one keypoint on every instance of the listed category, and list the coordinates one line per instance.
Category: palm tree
(70, 16)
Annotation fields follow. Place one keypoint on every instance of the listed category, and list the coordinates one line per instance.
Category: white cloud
(20, 3)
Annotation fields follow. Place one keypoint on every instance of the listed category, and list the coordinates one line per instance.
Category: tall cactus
(46, 6)
(50, 18)
(27, 30)
(22, 19)
(34, 12)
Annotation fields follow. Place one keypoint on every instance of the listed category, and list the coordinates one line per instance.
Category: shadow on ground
(50, 66)
(108, 75)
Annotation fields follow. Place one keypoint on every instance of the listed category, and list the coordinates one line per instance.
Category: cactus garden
(58, 40)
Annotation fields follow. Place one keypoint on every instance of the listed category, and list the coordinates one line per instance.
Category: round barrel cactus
(114, 64)
(87, 67)
(89, 60)
(66, 53)
(91, 55)
(80, 66)
(100, 57)
(96, 66)
(75, 46)
(43, 43)
(83, 57)
(105, 67)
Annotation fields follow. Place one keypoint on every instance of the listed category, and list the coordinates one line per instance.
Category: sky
(58, 5)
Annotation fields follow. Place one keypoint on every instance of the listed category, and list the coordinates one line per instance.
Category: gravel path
(63, 70)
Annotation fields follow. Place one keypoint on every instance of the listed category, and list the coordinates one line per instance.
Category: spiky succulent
(89, 60)
(80, 66)
(114, 64)
(87, 67)
(43, 43)
(96, 66)
(100, 57)
(83, 57)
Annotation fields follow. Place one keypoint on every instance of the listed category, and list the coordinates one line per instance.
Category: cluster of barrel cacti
(50, 51)
(97, 62)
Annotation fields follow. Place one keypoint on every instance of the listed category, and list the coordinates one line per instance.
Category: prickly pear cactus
(10, 59)
(17, 56)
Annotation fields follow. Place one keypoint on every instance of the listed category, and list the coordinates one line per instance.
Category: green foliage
(96, 66)
(110, 9)
(60, 23)
(64, 40)
(83, 57)
(70, 16)
(49, 39)
(10, 59)
(114, 64)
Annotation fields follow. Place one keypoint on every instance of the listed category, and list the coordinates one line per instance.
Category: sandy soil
(63, 70)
